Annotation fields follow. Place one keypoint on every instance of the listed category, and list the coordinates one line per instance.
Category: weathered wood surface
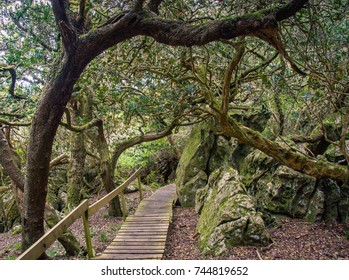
(40, 246)
(143, 235)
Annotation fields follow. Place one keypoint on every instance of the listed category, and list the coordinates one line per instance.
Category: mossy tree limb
(284, 154)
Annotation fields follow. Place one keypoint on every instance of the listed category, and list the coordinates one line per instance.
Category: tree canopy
(155, 65)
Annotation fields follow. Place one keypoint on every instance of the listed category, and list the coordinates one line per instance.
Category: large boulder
(255, 166)
(204, 152)
(228, 215)
(336, 200)
(344, 204)
(332, 197)
(286, 192)
(281, 190)
(316, 207)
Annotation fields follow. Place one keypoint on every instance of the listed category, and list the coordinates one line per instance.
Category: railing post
(87, 235)
(140, 188)
(123, 204)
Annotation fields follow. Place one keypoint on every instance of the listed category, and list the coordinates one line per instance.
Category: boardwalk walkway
(143, 235)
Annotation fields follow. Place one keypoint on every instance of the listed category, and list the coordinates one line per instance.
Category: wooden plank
(147, 218)
(148, 221)
(129, 257)
(145, 227)
(140, 238)
(152, 216)
(145, 234)
(137, 243)
(146, 224)
(138, 228)
(135, 252)
(127, 233)
(40, 246)
(103, 201)
(135, 247)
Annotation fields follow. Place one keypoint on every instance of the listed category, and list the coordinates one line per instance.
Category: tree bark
(76, 183)
(56, 94)
(9, 164)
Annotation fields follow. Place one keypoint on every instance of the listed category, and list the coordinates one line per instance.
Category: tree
(82, 41)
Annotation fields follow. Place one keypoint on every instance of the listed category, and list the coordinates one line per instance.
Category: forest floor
(292, 239)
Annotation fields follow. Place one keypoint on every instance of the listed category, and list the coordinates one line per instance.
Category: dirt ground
(292, 239)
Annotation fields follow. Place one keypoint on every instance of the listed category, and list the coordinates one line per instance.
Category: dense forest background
(92, 90)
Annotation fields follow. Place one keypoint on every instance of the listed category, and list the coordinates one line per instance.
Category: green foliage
(143, 154)
(154, 179)
(17, 246)
(103, 237)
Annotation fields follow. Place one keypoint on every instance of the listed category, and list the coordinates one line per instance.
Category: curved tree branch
(175, 32)
(121, 147)
(289, 9)
(8, 163)
(13, 74)
(8, 123)
(66, 28)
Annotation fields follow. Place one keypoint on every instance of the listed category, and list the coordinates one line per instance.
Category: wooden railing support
(140, 188)
(123, 205)
(90, 251)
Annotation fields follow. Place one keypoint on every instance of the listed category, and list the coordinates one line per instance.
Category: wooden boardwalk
(143, 235)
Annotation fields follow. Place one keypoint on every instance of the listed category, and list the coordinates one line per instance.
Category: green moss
(227, 215)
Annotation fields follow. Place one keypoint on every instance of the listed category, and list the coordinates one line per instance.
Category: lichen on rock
(286, 192)
(228, 216)
(204, 152)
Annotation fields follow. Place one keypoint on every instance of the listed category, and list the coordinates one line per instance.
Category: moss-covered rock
(228, 216)
(255, 165)
(193, 160)
(332, 198)
(220, 154)
(344, 204)
(286, 192)
(189, 189)
(200, 198)
(316, 207)
(205, 151)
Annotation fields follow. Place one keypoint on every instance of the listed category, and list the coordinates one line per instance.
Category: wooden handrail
(40, 246)
(82, 210)
(104, 200)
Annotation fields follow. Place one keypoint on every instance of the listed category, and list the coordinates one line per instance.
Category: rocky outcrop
(206, 151)
(227, 214)
(203, 153)
(285, 192)
(281, 190)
